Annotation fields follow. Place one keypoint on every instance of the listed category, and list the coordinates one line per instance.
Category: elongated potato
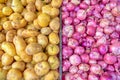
(15, 16)
(19, 65)
(10, 35)
(9, 48)
(14, 74)
(19, 43)
(29, 74)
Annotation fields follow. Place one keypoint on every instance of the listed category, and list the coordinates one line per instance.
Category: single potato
(31, 40)
(20, 65)
(56, 3)
(7, 25)
(2, 37)
(54, 38)
(46, 30)
(15, 16)
(31, 7)
(10, 35)
(52, 49)
(39, 5)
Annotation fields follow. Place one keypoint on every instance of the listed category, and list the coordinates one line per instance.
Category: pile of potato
(29, 39)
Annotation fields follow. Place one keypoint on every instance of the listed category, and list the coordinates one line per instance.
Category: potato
(19, 31)
(54, 62)
(42, 68)
(10, 35)
(6, 59)
(24, 2)
(19, 43)
(29, 74)
(47, 1)
(43, 20)
(55, 24)
(54, 12)
(33, 48)
(17, 6)
(24, 11)
(3, 1)
(17, 58)
(7, 67)
(52, 75)
(56, 3)
(1, 27)
(36, 25)
(39, 57)
(2, 37)
(9, 48)
(15, 16)
(25, 57)
(1, 14)
(30, 1)
(2, 20)
(1, 53)
(31, 7)
(52, 49)
(47, 9)
(31, 27)
(54, 38)
(14, 74)
(7, 11)
(46, 30)
(9, 3)
(38, 5)
(30, 16)
(7, 25)
(3, 74)
(42, 40)
(29, 65)
(31, 40)
(29, 33)
(17, 24)
(1, 6)
(19, 65)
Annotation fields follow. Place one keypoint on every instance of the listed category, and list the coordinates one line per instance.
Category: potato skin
(2, 37)
(10, 35)
(54, 38)
(29, 74)
(42, 68)
(56, 3)
(46, 30)
(19, 65)
(14, 74)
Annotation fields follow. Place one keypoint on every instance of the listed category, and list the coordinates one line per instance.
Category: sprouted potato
(29, 41)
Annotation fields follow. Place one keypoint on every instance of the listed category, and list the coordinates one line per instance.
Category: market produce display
(29, 39)
(91, 39)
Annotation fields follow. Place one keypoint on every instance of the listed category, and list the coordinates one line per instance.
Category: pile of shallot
(91, 39)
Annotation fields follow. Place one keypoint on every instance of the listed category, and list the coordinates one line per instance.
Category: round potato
(15, 16)
(7, 25)
(52, 75)
(29, 16)
(19, 31)
(7, 67)
(29, 74)
(52, 49)
(31, 40)
(19, 65)
(7, 11)
(54, 62)
(47, 9)
(54, 12)
(42, 40)
(42, 68)
(56, 3)
(24, 2)
(14, 74)
(55, 24)
(33, 48)
(31, 7)
(2, 20)
(2, 37)
(30, 1)
(36, 25)
(46, 30)
(39, 5)
(54, 38)
(6, 59)
(39, 57)
(31, 27)
(1, 53)
(17, 58)
(10, 35)
(43, 20)
(9, 48)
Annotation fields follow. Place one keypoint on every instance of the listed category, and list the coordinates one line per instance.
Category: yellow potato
(47, 1)
(24, 2)
(47, 9)
(3, 74)
(19, 43)
(31, 40)
(29, 74)
(39, 57)
(36, 25)
(42, 40)
(3, 1)
(7, 25)
(17, 6)
(24, 12)
(7, 11)
(15, 16)
(56, 3)
(30, 16)
(43, 20)
(52, 75)
(29, 65)
(33, 48)
(17, 58)
(38, 5)
(25, 57)
(10, 35)
(29, 1)
(54, 62)
(17, 24)
(9, 3)
(1, 14)
(7, 67)
(1, 6)
(14, 74)
(29, 33)
(2, 20)
(19, 65)
(54, 12)
(55, 24)
(9, 48)
(31, 26)
(1, 53)
(42, 68)
(6, 59)
(54, 38)
(31, 7)
(52, 49)
(19, 31)
(46, 30)
(1, 28)
(2, 37)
